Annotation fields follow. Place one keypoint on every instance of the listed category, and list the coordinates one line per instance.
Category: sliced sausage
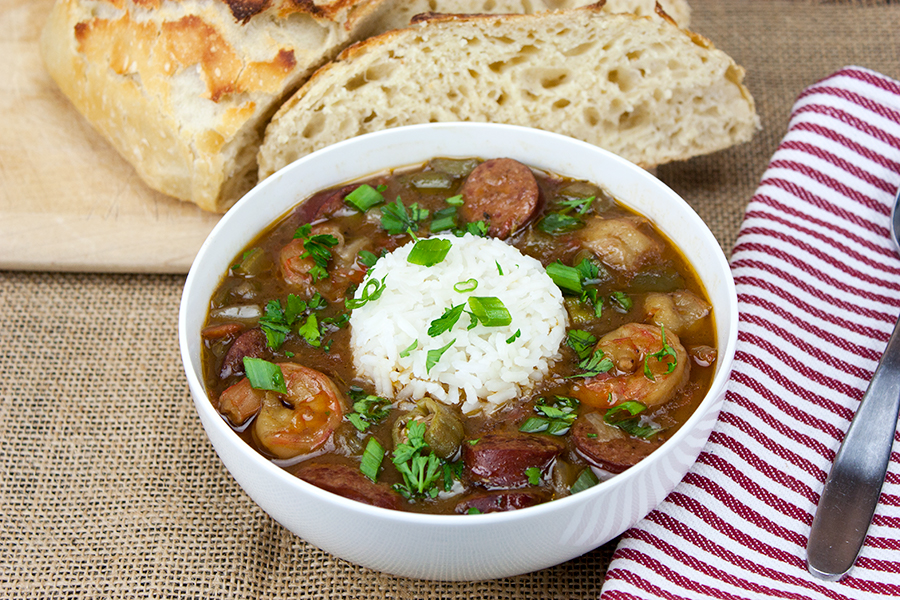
(499, 460)
(251, 343)
(488, 502)
(614, 455)
(348, 482)
(323, 205)
(502, 192)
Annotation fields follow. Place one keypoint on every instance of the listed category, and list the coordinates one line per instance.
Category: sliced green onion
(490, 311)
(264, 375)
(371, 459)
(435, 355)
(566, 278)
(364, 197)
(456, 200)
(444, 219)
(499, 268)
(514, 336)
(429, 252)
(586, 479)
(468, 285)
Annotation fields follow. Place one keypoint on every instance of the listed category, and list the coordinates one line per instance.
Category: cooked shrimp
(291, 424)
(619, 243)
(680, 312)
(643, 370)
(302, 420)
(295, 268)
(343, 271)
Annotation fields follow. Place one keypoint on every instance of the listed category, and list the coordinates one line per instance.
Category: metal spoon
(854, 484)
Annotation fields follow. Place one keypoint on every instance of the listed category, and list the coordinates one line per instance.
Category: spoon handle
(854, 484)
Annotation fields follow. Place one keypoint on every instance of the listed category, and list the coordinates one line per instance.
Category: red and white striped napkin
(818, 283)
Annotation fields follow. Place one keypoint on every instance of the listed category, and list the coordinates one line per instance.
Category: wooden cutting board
(68, 201)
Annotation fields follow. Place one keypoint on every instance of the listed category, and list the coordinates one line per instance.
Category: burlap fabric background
(108, 486)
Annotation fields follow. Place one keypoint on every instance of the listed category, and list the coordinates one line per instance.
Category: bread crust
(183, 88)
(637, 86)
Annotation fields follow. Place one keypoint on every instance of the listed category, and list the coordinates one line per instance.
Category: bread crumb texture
(637, 86)
(184, 88)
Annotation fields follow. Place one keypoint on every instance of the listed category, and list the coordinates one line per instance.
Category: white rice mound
(480, 370)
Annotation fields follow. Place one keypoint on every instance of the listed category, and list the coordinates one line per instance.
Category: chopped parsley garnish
(534, 475)
(371, 292)
(490, 311)
(557, 223)
(555, 418)
(364, 197)
(473, 511)
(396, 219)
(478, 228)
(595, 364)
(621, 301)
(581, 205)
(310, 331)
(435, 355)
(626, 416)
(429, 252)
(366, 258)
(410, 348)
(446, 321)
(420, 471)
(582, 342)
(371, 459)
(591, 360)
(586, 479)
(264, 375)
(660, 356)
(316, 247)
(278, 319)
(368, 409)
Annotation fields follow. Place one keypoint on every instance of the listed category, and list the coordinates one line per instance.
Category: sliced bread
(184, 88)
(637, 86)
(399, 13)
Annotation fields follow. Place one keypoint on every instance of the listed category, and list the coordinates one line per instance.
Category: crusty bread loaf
(184, 88)
(639, 87)
(399, 13)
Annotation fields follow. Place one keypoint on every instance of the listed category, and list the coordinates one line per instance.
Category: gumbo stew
(634, 357)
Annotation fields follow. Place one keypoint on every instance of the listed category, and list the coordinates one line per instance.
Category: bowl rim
(207, 249)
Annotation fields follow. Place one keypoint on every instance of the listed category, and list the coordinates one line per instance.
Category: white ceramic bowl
(456, 547)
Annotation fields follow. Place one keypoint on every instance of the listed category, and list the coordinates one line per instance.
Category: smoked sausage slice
(502, 192)
(499, 460)
(614, 455)
(348, 482)
(488, 502)
(251, 343)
